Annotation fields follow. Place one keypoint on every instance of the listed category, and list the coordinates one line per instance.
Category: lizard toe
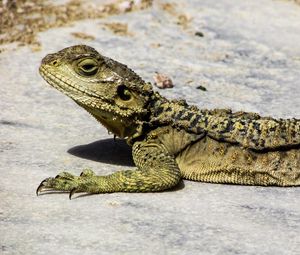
(41, 186)
(87, 172)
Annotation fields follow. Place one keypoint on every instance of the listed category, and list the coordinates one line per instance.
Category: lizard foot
(66, 182)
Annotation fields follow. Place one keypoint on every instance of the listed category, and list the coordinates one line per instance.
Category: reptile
(170, 139)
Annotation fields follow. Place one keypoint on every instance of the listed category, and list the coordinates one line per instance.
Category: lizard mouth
(64, 85)
(83, 97)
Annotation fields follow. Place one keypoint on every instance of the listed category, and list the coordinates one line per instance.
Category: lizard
(170, 139)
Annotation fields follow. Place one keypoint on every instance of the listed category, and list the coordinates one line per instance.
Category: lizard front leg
(156, 170)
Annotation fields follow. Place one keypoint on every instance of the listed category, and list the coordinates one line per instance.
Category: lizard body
(170, 139)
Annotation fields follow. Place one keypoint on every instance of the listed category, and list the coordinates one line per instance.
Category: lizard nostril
(54, 63)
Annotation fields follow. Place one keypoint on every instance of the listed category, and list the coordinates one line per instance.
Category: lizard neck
(169, 112)
(178, 114)
(143, 126)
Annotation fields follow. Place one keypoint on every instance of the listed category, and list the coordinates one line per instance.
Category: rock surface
(245, 53)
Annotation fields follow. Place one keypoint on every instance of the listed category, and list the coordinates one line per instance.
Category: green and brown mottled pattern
(247, 129)
(171, 140)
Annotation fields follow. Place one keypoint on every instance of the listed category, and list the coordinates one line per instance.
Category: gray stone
(248, 59)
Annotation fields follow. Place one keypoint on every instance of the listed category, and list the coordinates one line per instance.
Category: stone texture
(248, 59)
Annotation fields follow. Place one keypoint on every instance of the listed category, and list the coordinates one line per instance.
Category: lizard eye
(124, 93)
(88, 67)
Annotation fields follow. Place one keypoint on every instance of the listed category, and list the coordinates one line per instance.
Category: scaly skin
(171, 140)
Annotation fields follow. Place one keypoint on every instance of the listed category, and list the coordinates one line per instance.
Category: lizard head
(110, 91)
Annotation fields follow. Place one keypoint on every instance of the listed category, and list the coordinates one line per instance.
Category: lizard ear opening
(124, 93)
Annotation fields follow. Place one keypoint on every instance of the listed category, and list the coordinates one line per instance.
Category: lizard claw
(72, 192)
(62, 182)
(41, 186)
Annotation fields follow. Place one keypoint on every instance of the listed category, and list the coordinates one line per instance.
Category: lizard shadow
(109, 151)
